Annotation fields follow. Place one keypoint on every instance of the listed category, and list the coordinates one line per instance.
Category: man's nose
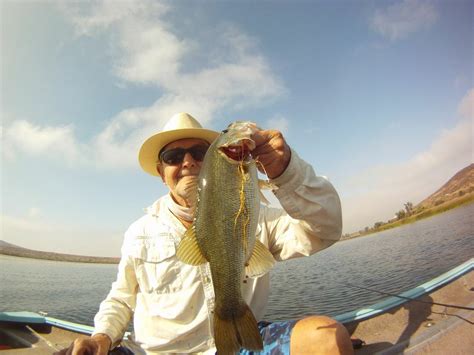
(188, 160)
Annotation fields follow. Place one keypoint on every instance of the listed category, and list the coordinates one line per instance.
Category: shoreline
(430, 212)
(41, 255)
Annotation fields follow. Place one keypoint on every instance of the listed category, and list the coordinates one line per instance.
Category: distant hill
(460, 184)
(458, 191)
(14, 250)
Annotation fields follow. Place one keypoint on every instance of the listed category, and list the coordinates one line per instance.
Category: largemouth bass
(223, 234)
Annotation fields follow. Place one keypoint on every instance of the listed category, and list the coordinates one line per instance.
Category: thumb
(102, 349)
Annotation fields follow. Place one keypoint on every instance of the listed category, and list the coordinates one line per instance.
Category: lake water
(390, 261)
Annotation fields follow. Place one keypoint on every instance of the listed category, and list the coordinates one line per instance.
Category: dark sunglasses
(176, 156)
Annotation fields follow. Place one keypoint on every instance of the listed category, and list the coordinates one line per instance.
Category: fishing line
(259, 163)
(407, 298)
(243, 208)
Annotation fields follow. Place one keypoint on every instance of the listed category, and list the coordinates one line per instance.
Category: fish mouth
(237, 153)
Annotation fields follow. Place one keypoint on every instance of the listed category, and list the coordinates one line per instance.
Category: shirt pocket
(157, 267)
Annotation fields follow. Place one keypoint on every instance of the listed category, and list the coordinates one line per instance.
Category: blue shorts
(276, 338)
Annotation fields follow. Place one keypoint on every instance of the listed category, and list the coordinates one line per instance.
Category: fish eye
(225, 130)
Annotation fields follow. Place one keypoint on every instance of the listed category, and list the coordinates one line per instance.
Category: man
(172, 302)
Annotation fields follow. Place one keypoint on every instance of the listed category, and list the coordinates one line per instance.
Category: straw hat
(181, 125)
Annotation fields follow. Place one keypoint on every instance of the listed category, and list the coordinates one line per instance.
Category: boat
(36, 333)
(433, 318)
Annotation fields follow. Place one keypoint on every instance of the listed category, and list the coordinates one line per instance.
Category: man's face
(173, 174)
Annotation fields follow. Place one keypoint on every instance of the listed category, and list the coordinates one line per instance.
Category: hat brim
(148, 155)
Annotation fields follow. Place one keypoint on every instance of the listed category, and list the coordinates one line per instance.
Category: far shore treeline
(14, 250)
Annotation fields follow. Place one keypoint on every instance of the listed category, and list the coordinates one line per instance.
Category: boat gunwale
(407, 296)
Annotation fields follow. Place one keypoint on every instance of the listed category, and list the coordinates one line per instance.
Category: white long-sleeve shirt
(171, 302)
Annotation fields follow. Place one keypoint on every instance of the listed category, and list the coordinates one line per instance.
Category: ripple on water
(391, 261)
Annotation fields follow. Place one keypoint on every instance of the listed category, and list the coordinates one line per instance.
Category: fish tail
(225, 336)
(235, 333)
(247, 329)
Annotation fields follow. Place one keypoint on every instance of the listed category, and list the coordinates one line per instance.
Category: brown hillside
(15, 250)
(460, 184)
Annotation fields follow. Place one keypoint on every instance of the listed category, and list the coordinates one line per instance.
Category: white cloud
(118, 144)
(90, 17)
(148, 52)
(400, 19)
(53, 142)
(376, 194)
(279, 123)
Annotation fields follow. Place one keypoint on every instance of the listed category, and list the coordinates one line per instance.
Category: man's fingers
(188, 180)
(271, 151)
(84, 347)
(261, 137)
(268, 141)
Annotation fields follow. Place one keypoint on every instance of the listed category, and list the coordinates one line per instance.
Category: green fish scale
(219, 234)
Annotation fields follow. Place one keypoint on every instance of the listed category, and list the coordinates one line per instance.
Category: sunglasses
(176, 156)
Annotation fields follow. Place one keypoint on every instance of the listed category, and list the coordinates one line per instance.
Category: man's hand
(98, 344)
(186, 188)
(272, 151)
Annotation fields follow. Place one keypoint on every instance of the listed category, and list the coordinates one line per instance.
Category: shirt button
(207, 280)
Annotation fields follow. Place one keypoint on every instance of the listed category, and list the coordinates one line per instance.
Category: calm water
(391, 261)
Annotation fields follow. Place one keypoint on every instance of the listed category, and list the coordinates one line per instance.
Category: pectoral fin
(260, 262)
(188, 249)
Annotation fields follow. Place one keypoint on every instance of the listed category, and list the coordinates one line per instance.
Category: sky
(377, 96)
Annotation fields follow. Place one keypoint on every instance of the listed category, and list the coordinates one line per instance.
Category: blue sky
(377, 95)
